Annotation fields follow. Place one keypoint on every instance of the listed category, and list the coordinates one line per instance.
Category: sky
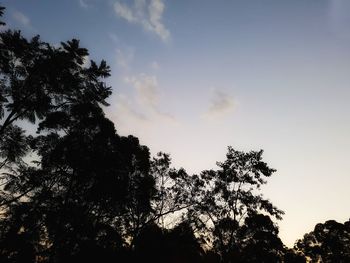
(191, 77)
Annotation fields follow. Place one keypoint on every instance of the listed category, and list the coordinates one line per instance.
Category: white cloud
(125, 58)
(83, 4)
(221, 104)
(146, 89)
(124, 106)
(148, 14)
(125, 12)
(156, 9)
(21, 18)
(114, 38)
(146, 98)
(126, 115)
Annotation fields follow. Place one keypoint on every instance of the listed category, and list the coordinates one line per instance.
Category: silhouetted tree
(2, 9)
(154, 244)
(182, 245)
(260, 241)
(172, 195)
(84, 180)
(77, 191)
(293, 256)
(39, 82)
(223, 198)
(166, 199)
(211, 257)
(149, 244)
(329, 242)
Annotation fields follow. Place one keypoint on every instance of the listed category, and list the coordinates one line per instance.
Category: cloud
(147, 13)
(126, 115)
(146, 98)
(114, 38)
(124, 12)
(156, 9)
(146, 89)
(83, 4)
(21, 18)
(124, 58)
(124, 105)
(221, 104)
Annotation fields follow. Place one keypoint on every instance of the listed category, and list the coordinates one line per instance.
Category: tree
(259, 240)
(164, 196)
(179, 244)
(89, 179)
(172, 191)
(78, 190)
(293, 256)
(223, 198)
(39, 82)
(328, 242)
(1, 14)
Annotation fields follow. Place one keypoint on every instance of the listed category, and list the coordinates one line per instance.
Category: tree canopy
(328, 242)
(73, 189)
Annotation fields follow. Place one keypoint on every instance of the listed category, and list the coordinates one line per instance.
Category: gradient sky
(191, 77)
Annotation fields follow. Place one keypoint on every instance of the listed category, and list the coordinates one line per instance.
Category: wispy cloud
(145, 98)
(146, 89)
(147, 13)
(21, 18)
(114, 38)
(221, 104)
(125, 106)
(125, 12)
(83, 4)
(124, 58)
(126, 115)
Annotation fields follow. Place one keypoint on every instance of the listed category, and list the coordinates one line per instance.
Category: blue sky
(192, 77)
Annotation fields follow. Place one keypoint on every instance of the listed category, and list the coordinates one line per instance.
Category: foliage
(72, 189)
(224, 198)
(328, 242)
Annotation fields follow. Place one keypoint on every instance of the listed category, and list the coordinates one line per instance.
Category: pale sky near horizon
(191, 77)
